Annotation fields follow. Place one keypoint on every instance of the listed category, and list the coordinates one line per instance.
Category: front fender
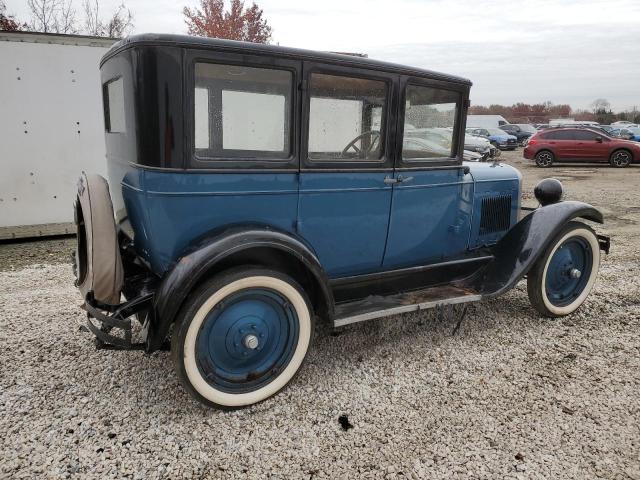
(192, 267)
(518, 250)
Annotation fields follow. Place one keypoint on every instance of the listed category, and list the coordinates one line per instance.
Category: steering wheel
(363, 153)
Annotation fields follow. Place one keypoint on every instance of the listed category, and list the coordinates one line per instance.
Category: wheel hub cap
(575, 273)
(250, 341)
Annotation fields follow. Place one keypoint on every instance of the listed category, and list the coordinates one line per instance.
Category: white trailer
(485, 121)
(51, 128)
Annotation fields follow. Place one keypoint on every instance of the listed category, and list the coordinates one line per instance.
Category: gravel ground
(511, 395)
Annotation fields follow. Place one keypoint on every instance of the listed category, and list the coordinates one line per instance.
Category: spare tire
(98, 263)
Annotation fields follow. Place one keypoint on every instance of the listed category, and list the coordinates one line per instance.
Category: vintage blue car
(259, 189)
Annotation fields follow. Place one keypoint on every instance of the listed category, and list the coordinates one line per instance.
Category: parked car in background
(469, 156)
(517, 132)
(497, 137)
(632, 133)
(481, 146)
(621, 123)
(441, 137)
(571, 144)
(527, 127)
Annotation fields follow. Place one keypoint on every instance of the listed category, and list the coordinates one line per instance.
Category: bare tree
(43, 14)
(52, 16)
(118, 25)
(92, 23)
(65, 20)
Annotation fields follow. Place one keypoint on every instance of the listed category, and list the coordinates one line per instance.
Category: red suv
(580, 145)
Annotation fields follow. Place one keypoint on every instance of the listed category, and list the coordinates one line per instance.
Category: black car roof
(164, 39)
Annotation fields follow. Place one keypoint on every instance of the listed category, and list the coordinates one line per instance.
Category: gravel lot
(511, 395)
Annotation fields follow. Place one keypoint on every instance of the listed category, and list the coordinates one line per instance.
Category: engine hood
(489, 172)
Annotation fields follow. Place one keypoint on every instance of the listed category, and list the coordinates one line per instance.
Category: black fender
(211, 250)
(518, 250)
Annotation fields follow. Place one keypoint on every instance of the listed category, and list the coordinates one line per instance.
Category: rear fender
(520, 248)
(210, 252)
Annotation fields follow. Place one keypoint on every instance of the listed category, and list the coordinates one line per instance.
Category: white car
(480, 145)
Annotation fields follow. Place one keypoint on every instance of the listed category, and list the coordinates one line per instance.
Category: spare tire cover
(99, 265)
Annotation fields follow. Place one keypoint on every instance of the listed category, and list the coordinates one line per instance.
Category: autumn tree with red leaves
(237, 23)
(7, 22)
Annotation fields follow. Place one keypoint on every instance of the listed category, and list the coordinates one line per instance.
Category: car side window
(560, 135)
(346, 118)
(586, 135)
(430, 118)
(242, 112)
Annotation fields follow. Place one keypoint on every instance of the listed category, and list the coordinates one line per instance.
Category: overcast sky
(565, 51)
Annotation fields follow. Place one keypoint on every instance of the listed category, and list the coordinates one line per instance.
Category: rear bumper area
(111, 324)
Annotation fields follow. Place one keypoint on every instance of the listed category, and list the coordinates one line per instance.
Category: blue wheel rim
(222, 353)
(560, 286)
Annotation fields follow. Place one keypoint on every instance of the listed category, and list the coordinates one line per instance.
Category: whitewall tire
(560, 281)
(241, 337)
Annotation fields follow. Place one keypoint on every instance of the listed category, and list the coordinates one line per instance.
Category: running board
(376, 306)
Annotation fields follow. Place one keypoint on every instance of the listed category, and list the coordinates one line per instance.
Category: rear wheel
(241, 337)
(562, 278)
(544, 158)
(620, 159)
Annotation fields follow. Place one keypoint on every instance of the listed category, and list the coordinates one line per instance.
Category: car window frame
(385, 163)
(240, 163)
(459, 130)
(570, 130)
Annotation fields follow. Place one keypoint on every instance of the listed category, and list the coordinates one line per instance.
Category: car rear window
(113, 102)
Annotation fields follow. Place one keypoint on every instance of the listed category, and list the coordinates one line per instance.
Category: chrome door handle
(390, 181)
(404, 179)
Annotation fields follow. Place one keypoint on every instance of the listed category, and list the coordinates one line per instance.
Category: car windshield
(496, 131)
(634, 130)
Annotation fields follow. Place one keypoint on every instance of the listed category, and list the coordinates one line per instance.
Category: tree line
(600, 112)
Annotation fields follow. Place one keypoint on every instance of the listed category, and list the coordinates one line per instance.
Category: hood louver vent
(496, 214)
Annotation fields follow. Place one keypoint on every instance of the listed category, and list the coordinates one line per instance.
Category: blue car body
(385, 226)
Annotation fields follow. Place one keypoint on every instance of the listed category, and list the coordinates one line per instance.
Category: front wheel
(241, 337)
(562, 278)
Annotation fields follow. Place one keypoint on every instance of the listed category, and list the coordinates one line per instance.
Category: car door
(432, 195)
(591, 146)
(562, 144)
(345, 178)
